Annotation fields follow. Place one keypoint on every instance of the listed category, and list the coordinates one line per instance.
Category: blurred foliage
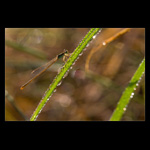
(81, 96)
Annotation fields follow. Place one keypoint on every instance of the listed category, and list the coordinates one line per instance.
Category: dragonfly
(38, 71)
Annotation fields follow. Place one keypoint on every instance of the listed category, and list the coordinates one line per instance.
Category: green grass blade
(31, 51)
(128, 93)
(89, 36)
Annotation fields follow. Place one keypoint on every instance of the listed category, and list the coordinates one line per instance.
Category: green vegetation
(128, 93)
(64, 70)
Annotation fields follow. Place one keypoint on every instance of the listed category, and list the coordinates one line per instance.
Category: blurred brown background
(81, 96)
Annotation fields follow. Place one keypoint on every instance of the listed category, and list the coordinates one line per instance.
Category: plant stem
(64, 70)
(128, 93)
(25, 49)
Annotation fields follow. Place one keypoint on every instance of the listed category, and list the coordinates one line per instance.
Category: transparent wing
(41, 68)
(39, 71)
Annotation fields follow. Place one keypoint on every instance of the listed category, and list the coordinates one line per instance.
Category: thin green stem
(89, 36)
(128, 93)
(25, 49)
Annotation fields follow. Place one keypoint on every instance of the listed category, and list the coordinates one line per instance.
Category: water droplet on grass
(94, 36)
(124, 108)
(104, 43)
(87, 45)
(80, 54)
(59, 83)
(48, 98)
(84, 49)
(97, 34)
(66, 74)
(73, 64)
(99, 30)
(132, 94)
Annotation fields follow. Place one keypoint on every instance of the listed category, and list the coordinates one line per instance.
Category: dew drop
(143, 72)
(104, 43)
(48, 98)
(59, 83)
(80, 54)
(94, 36)
(99, 30)
(84, 49)
(124, 108)
(87, 45)
(73, 63)
(66, 74)
(40, 111)
(139, 80)
(132, 94)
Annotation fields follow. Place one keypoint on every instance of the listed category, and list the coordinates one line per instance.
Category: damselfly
(44, 67)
